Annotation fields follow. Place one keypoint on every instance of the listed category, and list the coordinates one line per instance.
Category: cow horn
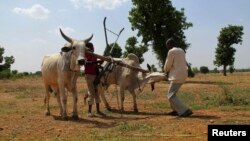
(65, 36)
(88, 39)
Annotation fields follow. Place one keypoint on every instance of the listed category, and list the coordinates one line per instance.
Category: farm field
(214, 99)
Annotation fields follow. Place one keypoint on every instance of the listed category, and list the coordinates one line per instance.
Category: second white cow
(128, 79)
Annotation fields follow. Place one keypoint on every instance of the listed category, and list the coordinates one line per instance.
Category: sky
(29, 29)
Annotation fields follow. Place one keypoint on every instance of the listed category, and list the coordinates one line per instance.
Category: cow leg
(122, 98)
(64, 102)
(58, 97)
(134, 101)
(46, 100)
(75, 99)
(101, 92)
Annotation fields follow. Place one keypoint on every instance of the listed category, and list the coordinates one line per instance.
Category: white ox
(60, 72)
(128, 79)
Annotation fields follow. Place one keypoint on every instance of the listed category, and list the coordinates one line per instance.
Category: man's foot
(173, 113)
(90, 115)
(187, 113)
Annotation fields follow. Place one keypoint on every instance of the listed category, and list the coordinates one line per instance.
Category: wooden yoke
(108, 59)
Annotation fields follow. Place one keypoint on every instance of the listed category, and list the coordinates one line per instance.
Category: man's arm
(169, 61)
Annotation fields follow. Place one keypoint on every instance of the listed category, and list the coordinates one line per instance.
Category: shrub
(215, 70)
(14, 72)
(5, 74)
(231, 69)
(204, 69)
(195, 70)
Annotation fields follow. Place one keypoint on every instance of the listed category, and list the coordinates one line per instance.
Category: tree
(1, 54)
(9, 60)
(224, 54)
(132, 47)
(116, 52)
(204, 69)
(5, 64)
(156, 21)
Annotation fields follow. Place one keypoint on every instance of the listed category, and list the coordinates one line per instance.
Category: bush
(14, 72)
(26, 73)
(195, 70)
(231, 69)
(38, 73)
(5, 74)
(204, 69)
(190, 72)
(215, 70)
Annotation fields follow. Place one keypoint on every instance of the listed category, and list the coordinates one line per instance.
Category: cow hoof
(136, 110)
(75, 117)
(47, 113)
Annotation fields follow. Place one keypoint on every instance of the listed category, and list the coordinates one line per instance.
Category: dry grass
(214, 98)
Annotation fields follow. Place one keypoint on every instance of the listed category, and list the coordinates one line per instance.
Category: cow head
(77, 48)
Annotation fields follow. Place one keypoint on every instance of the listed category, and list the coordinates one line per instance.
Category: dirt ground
(214, 99)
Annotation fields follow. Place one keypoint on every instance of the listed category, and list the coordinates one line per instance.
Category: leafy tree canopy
(156, 21)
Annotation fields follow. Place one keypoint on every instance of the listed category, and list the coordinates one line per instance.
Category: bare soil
(22, 112)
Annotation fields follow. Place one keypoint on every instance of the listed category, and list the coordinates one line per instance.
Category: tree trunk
(225, 70)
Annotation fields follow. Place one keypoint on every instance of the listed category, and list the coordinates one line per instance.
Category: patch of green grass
(26, 93)
(39, 139)
(21, 96)
(242, 90)
(197, 106)
(13, 135)
(203, 100)
(236, 97)
(230, 108)
(58, 139)
(246, 107)
(126, 127)
(235, 122)
(100, 135)
(147, 96)
(160, 105)
(211, 100)
(187, 97)
(7, 107)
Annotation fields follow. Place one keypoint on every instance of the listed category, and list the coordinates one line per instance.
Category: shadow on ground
(91, 121)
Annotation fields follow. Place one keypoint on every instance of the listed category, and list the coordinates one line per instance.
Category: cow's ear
(66, 49)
